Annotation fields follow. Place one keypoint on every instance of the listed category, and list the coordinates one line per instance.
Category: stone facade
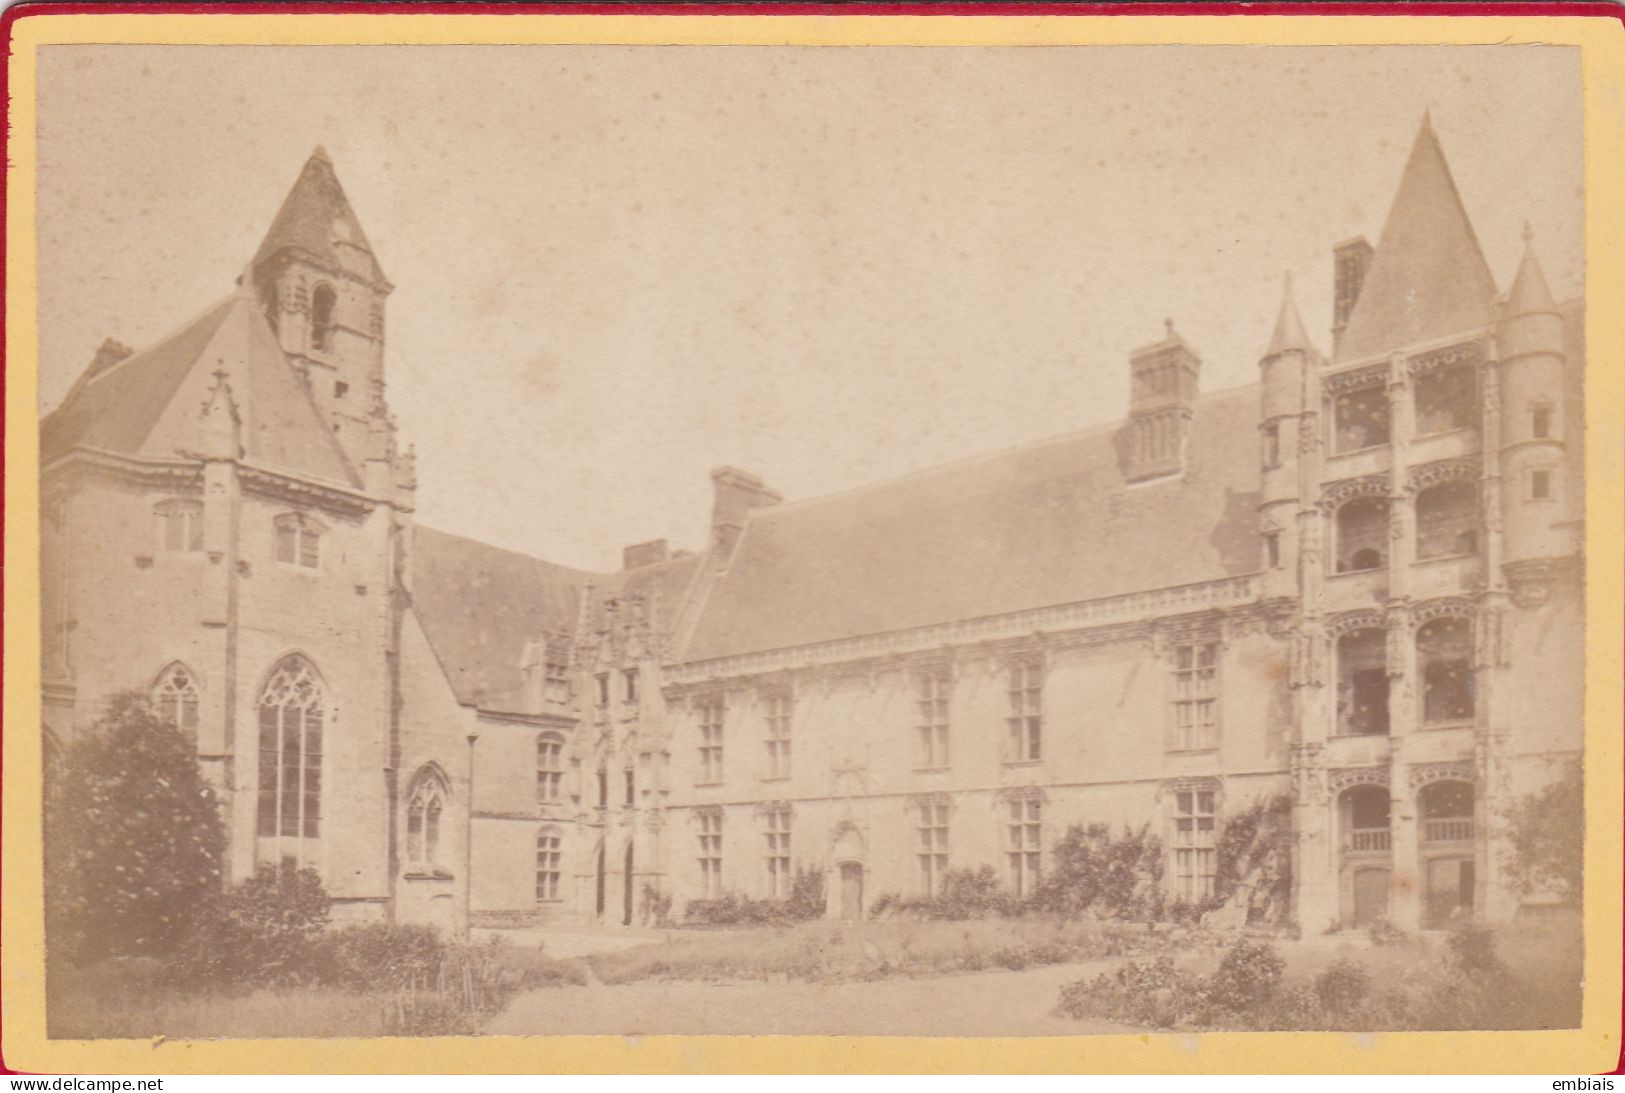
(1355, 585)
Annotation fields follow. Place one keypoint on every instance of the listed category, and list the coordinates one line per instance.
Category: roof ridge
(85, 382)
(420, 526)
(977, 458)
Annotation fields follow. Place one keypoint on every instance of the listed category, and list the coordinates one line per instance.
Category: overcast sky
(619, 267)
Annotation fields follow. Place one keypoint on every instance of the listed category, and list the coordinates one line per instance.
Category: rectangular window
(548, 856)
(180, 526)
(778, 852)
(1194, 841)
(297, 544)
(1024, 843)
(630, 678)
(1196, 696)
(631, 787)
(932, 699)
(710, 855)
(1026, 720)
(932, 851)
(1360, 419)
(1540, 485)
(1540, 422)
(549, 769)
(1272, 444)
(557, 682)
(603, 688)
(1272, 549)
(777, 712)
(711, 711)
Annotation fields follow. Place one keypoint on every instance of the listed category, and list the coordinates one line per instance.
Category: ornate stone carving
(1334, 494)
(1308, 776)
(1348, 621)
(1453, 607)
(1489, 637)
(1308, 668)
(1343, 777)
(1353, 379)
(1462, 353)
(1466, 468)
(1423, 773)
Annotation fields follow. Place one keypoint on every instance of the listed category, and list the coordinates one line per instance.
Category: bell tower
(324, 294)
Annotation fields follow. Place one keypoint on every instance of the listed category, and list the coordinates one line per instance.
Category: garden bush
(263, 931)
(1342, 986)
(380, 955)
(133, 839)
(1383, 932)
(1247, 976)
(1472, 948)
(1091, 870)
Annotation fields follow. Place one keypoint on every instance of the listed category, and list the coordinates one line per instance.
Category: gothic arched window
(427, 801)
(175, 695)
(293, 715)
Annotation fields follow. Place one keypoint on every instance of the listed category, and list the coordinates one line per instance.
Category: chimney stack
(735, 493)
(639, 555)
(1351, 259)
(1162, 398)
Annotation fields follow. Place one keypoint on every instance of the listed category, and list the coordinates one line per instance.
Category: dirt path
(1001, 1003)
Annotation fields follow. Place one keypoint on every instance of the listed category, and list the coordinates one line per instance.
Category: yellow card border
(1593, 1048)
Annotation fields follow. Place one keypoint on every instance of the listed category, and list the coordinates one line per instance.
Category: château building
(1354, 583)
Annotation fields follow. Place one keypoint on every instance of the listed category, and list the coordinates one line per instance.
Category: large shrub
(380, 955)
(1091, 870)
(133, 838)
(263, 931)
(1545, 833)
(807, 895)
(1247, 976)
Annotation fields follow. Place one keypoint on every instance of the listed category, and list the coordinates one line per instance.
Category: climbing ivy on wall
(1255, 849)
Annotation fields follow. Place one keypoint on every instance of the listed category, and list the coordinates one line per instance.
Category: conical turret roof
(317, 223)
(1529, 294)
(1289, 332)
(1428, 278)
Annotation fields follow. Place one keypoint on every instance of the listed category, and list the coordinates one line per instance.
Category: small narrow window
(710, 856)
(631, 784)
(340, 389)
(321, 316)
(1024, 835)
(777, 712)
(1540, 485)
(548, 870)
(630, 679)
(1272, 549)
(932, 849)
(777, 832)
(603, 688)
(603, 788)
(711, 713)
(176, 696)
(1540, 422)
(549, 769)
(1272, 444)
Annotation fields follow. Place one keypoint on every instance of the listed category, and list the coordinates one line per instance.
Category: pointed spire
(1529, 294)
(1428, 278)
(1289, 333)
(317, 224)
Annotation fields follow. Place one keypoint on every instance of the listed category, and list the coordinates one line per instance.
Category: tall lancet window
(427, 801)
(292, 718)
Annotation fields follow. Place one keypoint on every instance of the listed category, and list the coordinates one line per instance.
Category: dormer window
(322, 302)
(298, 540)
(180, 525)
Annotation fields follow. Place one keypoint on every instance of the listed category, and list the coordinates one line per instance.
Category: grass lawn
(823, 952)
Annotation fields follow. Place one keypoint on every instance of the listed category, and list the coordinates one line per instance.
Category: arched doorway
(1366, 847)
(849, 867)
(1449, 860)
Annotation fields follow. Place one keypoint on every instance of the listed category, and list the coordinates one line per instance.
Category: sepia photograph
(592, 539)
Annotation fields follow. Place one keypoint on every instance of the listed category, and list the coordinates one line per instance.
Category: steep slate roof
(1428, 278)
(1289, 332)
(1529, 294)
(481, 606)
(150, 403)
(1047, 523)
(317, 222)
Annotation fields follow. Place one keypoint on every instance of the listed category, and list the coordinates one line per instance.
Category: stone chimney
(1162, 399)
(639, 555)
(110, 353)
(1350, 261)
(734, 494)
